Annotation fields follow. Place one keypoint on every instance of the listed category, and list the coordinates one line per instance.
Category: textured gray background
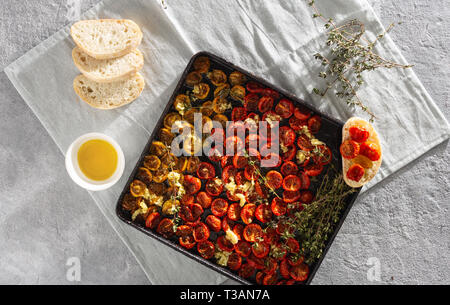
(45, 219)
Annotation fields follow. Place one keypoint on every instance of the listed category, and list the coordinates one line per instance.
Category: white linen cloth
(273, 39)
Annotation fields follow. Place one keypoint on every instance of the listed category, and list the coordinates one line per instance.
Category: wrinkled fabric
(272, 39)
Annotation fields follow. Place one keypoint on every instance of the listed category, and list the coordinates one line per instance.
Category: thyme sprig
(351, 55)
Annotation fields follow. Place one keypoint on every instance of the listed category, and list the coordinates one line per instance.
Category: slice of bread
(109, 95)
(373, 137)
(106, 38)
(108, 70)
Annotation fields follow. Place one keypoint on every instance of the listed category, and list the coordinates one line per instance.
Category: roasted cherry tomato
(237, 78)
(270, 279)
(153, 220)
(246, 271)
(314, 123)
(271, 160)
(271, 236)
(251, 102)
(285, 108)
(254, 87)
(217, 77)
(165, 228)
(313, 169)
(224, 244)
(204, 199)
(358, 134)
(201, 232)
(243, 248)
(144, 175)
(270, 92)
(349, 149)
(193, 78)
(238, 230)
(248, 212)
(260, 249)
(259, 277)
(304, 143)
(214, 223)
(296, 123)
(206, 249)
(219, 207)
(239, 161)
(287, 135)
(263, 213)
(300, 272)
(250, 172)
(370, 150)
(137, 188)
(234, 261)
(270, 265)
(234, 211)
(295, 260)
(214, 186)
(289, 168)
(252, 232)
(228, 173)
(187, 199)
(227, 224)
(306, 197)
(290, 196)
(292, 183)
(234, 145)
(191, 184)
(325, 156)
(238, 114)
(278, 206)
(206, 171)
(306, 182)
(289, 154)
(186, 214)
(202, 64)
(355, 172)
(265, 104)
(302, 113)
(274, 179)
(256, 262)
(292, 245)
(284, 269)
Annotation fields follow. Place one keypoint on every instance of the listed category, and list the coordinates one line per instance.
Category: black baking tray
(330, 133)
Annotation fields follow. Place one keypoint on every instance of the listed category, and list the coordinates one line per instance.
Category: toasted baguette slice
(373, 137)
(108, 70)
(106, 38)
(109, 95)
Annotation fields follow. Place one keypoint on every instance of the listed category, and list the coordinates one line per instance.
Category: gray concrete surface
(45, 219)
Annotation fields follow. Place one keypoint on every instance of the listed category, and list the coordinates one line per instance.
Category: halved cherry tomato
(204, 199)
(302, 113)
(246, 270)
(299, 272)
(165, 228)
(292, 245)
(153, 220)
(265, 104)
(278, 206)
(243, 248)
(250, 172)
(289, 168)
(187, 199)
(272, 118)
(219, 207)
(214, 223)
(349, 149)
(270, 265)
(228, 172)
(306, 197)
(196, 210)
(251, 102)
(355, 172)
(325, 156)
(231, 196)
(270, 92)
(292, 183)
(214, 186)
(191, 184)
(224, 244)
(234, 145)
(260, 249)
(206, 171)
(234, 261)
(358, 134)
(284, 269)
(259, 277)
(295, 260)
(252, 232)
(186, 214)
(227, 224)
(287, 135)
(201, 232)
(290, 196)
(289, 154)
(238, 114)
(271, 236)
(306, 182)
(285, 108)
(248, 212)
(185, 234)
(234, 211)
(313, 169)
(206, 249)
(187, 242)
(274, 179)
(254, 87)
(263, 213)
(270, 279)
(239, 161)
(370, 150)
(296, 123)
(304, 143)
(314, 123)
(238, 230)
(261, 189)
(225, 161)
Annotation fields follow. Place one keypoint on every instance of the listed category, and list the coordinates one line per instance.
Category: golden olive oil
(97, 159)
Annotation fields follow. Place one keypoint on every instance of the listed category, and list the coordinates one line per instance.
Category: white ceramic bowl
(74, 169)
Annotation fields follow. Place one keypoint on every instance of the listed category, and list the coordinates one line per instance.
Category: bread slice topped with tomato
(361, 152)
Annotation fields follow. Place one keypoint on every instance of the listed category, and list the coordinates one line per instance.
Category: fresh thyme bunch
(351, 55)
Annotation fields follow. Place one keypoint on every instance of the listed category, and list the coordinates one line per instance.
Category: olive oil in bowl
(97, 159)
